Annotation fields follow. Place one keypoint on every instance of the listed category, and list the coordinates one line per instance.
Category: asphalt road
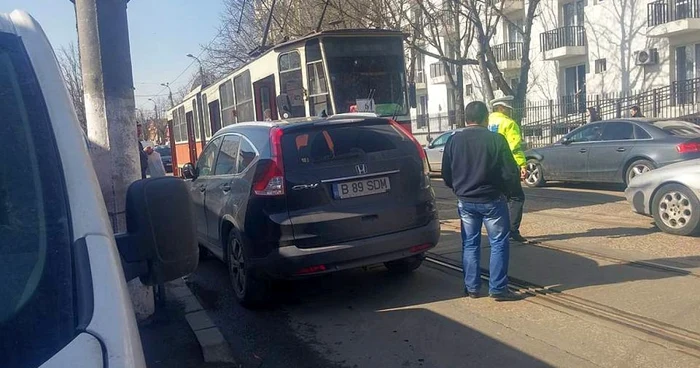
(370, 318)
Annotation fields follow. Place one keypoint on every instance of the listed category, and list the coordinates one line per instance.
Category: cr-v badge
(304, 186)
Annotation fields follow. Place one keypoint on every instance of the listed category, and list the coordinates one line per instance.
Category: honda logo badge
(361, 169)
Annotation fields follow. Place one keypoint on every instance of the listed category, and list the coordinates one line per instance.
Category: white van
(63, 299)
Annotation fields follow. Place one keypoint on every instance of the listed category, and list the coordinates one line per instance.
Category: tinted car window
(331, 143)
(246, 156)
(205, 165)
(640, 133)
(589, 133)
(228, 156)
(163, 150)
(618, 131)
(37, 314)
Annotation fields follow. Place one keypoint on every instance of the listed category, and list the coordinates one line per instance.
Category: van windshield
(36, 300)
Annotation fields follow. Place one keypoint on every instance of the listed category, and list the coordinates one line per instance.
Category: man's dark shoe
(519, 238)
(506, 296)
(473, 295)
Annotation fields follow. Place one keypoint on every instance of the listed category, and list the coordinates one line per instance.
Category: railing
(665, 11)
(508, 51)
(438, 69)
(562, 37)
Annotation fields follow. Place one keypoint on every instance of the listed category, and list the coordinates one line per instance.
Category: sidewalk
(667, 297)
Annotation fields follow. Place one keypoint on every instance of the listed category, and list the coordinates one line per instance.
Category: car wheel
(405, 265)
(535, 174)
(676, 210)
(637, 168)
(249, 290)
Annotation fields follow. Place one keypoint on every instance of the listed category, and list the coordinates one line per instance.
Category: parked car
(434, 150)
(64, 300)
(166, 155)
(281, 200)
(613, 151)
(671, 195)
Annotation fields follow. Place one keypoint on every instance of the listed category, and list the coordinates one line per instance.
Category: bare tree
(69, 61)
(486, 15)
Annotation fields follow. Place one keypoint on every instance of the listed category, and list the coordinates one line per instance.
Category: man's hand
(523, 173)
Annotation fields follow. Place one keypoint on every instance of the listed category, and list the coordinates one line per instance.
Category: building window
(438, 69)
(601, 65)
(469, 89)
(291, 82)
(514, 83)
(227, 105)
(245, 111)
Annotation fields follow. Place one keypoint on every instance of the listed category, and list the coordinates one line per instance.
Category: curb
(214, 347)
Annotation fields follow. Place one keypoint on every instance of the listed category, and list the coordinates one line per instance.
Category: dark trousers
(516, 201)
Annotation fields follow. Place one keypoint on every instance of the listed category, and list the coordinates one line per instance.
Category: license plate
(361, 188)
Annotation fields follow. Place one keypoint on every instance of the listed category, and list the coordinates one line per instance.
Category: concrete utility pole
(105, 57)
(170, 93)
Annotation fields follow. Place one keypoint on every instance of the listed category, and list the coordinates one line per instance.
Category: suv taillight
(419, 147)
(688, 147)
(271, 182)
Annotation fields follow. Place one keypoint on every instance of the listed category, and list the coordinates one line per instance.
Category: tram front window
(364, 68)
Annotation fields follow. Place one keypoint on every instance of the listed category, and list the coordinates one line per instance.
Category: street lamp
(201, 70)
(170, 93)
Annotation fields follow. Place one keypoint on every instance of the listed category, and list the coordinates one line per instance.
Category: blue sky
(162, 32)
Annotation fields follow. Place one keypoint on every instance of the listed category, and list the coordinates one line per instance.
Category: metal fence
(545, 122)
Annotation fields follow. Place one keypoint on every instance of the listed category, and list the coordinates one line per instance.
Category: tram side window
(228, 109)
(175, 127)
(319, 100)
(183, 124)
(205, 117)
(291, 82)
(244, 97)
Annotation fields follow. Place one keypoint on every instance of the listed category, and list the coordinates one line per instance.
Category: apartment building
(586, 49)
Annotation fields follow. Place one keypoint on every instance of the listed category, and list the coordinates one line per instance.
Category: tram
(322, 74)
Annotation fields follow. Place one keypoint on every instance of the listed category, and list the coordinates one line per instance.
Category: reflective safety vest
(502, 124)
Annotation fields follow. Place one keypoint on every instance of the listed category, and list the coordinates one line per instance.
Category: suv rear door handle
(226, 187)
(442, 150)
(583, 150)
(621, 149)
(202, 188)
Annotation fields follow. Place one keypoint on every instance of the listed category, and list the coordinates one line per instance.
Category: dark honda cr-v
(279, 200)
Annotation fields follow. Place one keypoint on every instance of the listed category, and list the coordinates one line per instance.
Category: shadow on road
(610, 233)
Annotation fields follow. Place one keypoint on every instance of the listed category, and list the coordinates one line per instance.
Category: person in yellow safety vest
(501, 122)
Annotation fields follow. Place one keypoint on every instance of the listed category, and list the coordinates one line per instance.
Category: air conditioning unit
(646, 57)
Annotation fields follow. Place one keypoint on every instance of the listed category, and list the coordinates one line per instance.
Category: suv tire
(248, 288)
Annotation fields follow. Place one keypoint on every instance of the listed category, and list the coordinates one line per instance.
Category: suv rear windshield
(678, 128)
(332, 143)
(37, 316)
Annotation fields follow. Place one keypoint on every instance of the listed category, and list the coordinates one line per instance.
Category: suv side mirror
(160, 243)
(188, 171)
(284, 106)
(566, 141)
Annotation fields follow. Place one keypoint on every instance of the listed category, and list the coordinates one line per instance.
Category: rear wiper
(339, 157)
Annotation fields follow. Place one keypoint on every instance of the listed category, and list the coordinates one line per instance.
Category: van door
(352, 179)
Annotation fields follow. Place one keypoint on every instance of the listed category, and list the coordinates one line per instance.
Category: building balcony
(509, 6)
(508, 55)
(563, 43)
(439, 74)
(669, 18)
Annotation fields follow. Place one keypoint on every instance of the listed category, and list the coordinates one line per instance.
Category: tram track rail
(651, 330)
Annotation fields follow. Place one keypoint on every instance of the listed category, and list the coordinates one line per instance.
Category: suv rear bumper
(288, 262)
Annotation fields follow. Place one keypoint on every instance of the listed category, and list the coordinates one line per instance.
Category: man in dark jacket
(143, 157)
(479, 167)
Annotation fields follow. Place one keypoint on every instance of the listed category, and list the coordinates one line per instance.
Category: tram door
(190, 136)
(265, 96)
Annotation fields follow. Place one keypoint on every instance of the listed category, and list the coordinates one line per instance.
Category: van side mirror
(412, 95)
(284, 106)
(160, 244)
(188, 171)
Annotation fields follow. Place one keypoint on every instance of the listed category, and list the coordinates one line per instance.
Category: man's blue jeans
(495, 216)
